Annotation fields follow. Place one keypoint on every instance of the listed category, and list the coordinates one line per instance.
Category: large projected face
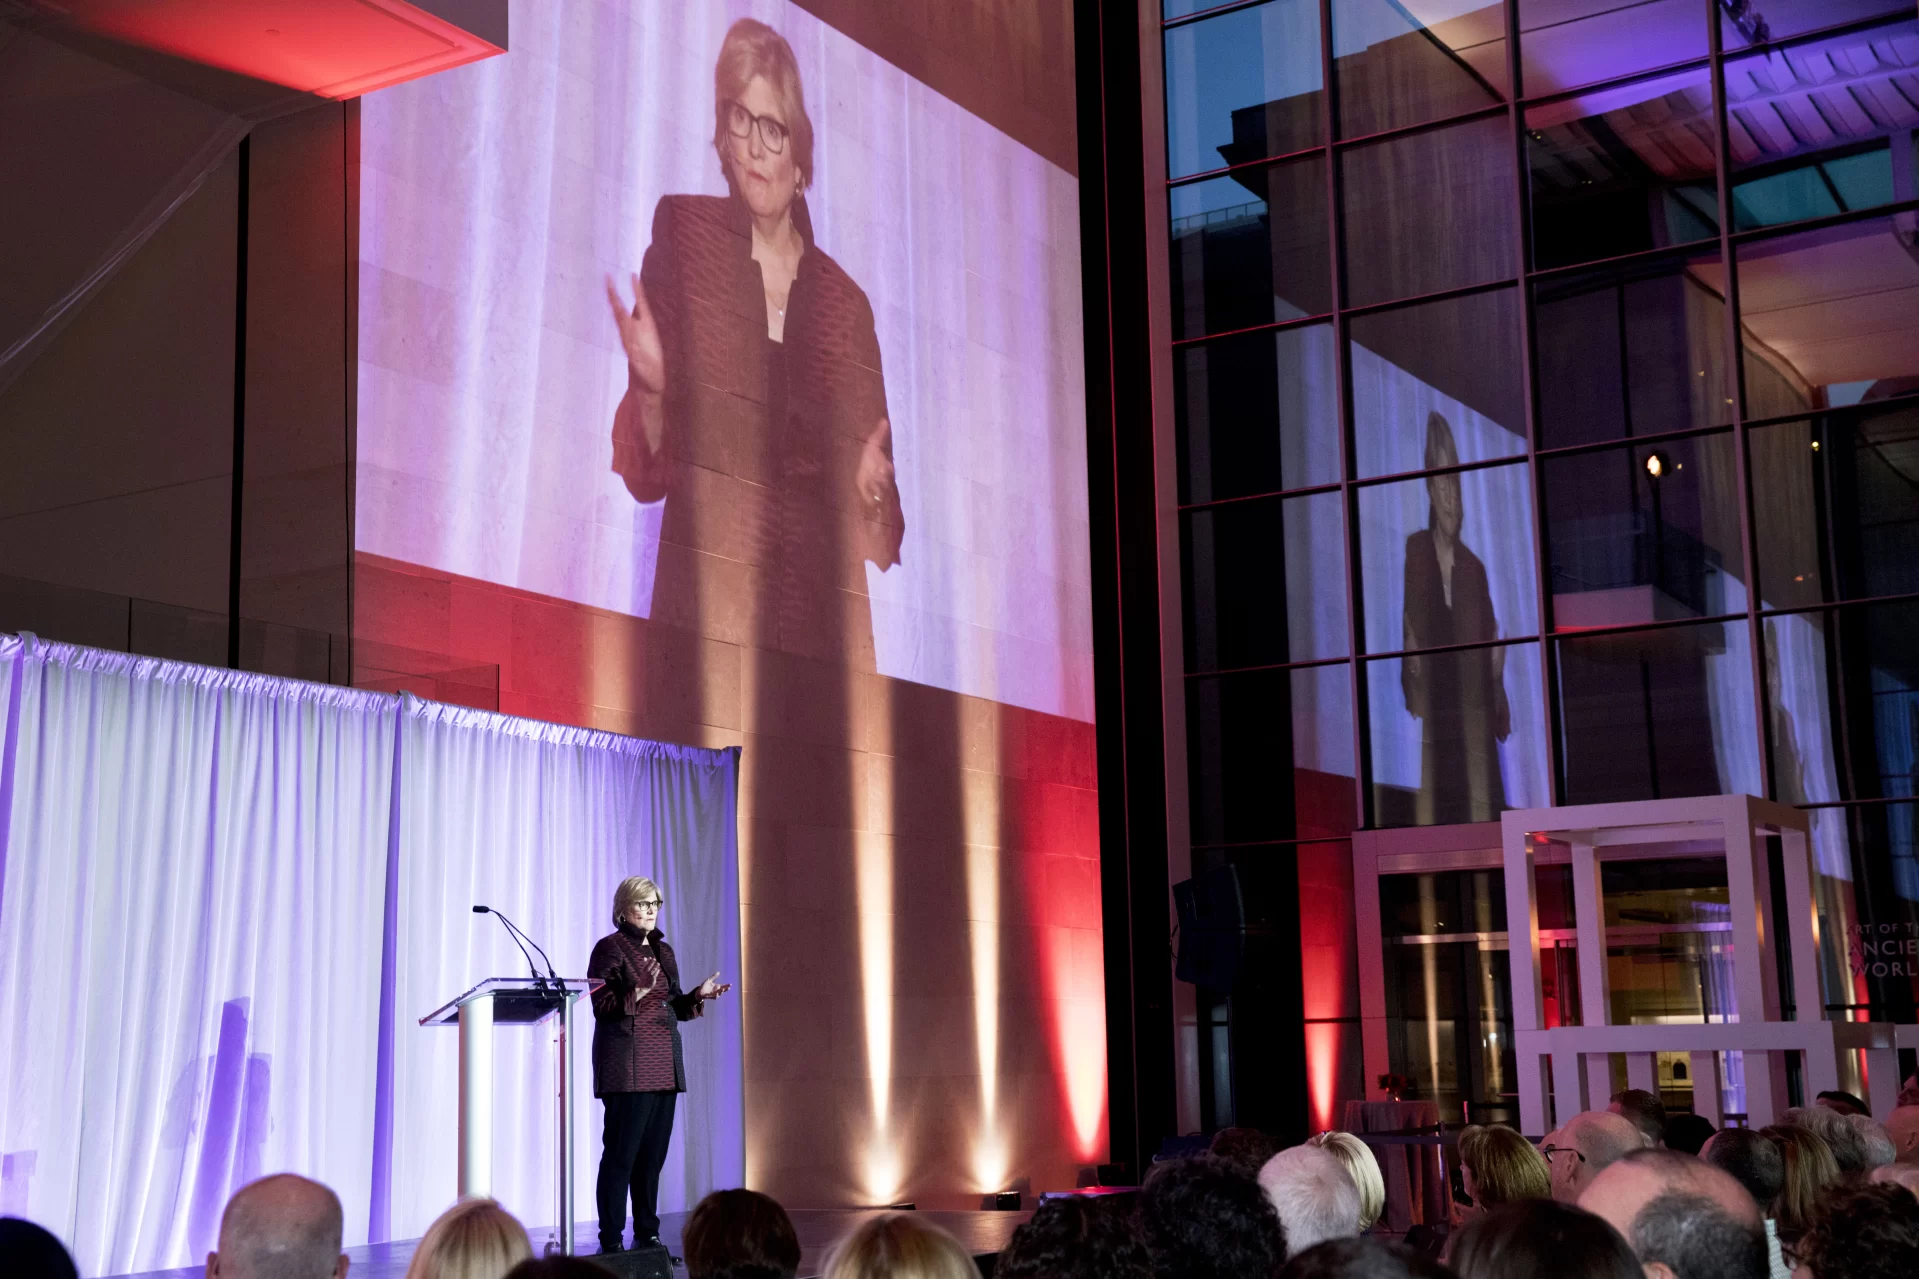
(727, 323)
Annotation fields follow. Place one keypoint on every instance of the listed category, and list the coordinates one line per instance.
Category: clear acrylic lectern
(511, 1001)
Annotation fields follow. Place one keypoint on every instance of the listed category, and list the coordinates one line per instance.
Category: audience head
(1532, 1237)
(1687, 1132)
(1584, 1147)
(1075, 1238)
(1315, 1196)
(1906, 1175)
(1843, 1102)
(1864, 1232)
(28, 1250)
(1502, 1167)
(1362, 1167)
(1848, 1150)
(1751, 1160)
(280, 1227)
(739, 1234)
(1809, 1169)
(1248, 1149)
(1363, 1259)
(474, 1239)
(1902, 1125)
(1647, 1112)
(1875, 1143)
(898, 1245)
(557, 1268)
(1202, 1218)
(1682, 1216)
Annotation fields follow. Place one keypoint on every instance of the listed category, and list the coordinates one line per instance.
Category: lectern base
(641, 1263)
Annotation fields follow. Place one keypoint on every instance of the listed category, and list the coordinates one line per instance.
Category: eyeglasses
(652, 903)
(1550, 1151)
(740, 123)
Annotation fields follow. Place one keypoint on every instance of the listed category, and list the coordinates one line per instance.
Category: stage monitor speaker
(1226, 925)
(640, 1263)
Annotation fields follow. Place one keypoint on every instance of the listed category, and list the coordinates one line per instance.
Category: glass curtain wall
(1547, 411)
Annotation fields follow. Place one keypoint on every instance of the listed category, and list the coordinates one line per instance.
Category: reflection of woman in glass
(755, 404)
(1459, 698)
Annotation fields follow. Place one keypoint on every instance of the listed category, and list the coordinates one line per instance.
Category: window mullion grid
(1542, 561)
(1349, 460)
(1735, 344)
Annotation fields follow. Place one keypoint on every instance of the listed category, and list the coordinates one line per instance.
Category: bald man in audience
(1684, 1218)
(1902, 1125)
(1589, 1143)
(280, 1227)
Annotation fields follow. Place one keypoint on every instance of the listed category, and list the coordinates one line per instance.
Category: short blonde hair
(474, 1239)
(752, 48)
(899, 1245)
(632, 889)
(1506, 1166)
(1362, 1167)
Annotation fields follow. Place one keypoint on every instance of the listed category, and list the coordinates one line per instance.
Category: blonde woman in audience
(1499, 1166)
(899, 1245)
(1357, 1157)
(474, 1239)
(1810, 1168)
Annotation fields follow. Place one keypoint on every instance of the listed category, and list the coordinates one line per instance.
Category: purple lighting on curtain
(221, 916)
(380, 1212)
(215, 1180)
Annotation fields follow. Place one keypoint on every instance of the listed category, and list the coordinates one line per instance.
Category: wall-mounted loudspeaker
(1226, 926)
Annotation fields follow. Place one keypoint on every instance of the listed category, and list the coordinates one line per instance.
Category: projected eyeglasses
(740, 122)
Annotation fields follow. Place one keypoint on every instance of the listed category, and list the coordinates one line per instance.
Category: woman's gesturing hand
(875, 475)
(713, 987)
(639, 336)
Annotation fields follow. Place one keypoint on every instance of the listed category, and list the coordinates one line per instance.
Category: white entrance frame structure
(1580, 1074)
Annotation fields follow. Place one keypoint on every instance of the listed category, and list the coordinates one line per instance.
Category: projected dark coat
(1459, 697)
(764, 535)
(636, 1039)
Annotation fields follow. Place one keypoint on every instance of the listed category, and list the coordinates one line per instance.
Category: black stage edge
(982, 1233)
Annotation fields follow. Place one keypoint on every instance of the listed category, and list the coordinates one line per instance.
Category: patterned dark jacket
(636, 1038)
(761, 442)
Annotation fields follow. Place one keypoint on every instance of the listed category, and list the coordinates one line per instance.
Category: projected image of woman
(1460, 697)
(755, 405)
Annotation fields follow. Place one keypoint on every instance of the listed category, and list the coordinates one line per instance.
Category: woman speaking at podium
(637, 1068)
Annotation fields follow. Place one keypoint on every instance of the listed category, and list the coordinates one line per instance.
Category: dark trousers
(638, 1127)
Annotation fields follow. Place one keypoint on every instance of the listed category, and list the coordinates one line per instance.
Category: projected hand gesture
(640, 337)
(875, 475)
(713, 987)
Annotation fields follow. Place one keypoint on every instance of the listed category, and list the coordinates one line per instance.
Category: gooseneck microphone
(514, 933)
(537, 948)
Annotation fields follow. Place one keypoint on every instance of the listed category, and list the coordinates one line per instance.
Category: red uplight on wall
(1064, 884)
(1322, 1074)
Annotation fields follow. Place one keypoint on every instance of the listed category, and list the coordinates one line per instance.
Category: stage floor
(983, 1234)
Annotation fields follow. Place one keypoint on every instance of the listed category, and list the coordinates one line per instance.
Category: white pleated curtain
(216, 941)
(189, 943)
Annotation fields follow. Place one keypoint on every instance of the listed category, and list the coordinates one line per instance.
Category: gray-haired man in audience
(1313, 1194)
(1684, 1218)
(280, 1227)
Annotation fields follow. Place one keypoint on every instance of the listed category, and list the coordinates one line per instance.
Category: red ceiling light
(329, 48)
